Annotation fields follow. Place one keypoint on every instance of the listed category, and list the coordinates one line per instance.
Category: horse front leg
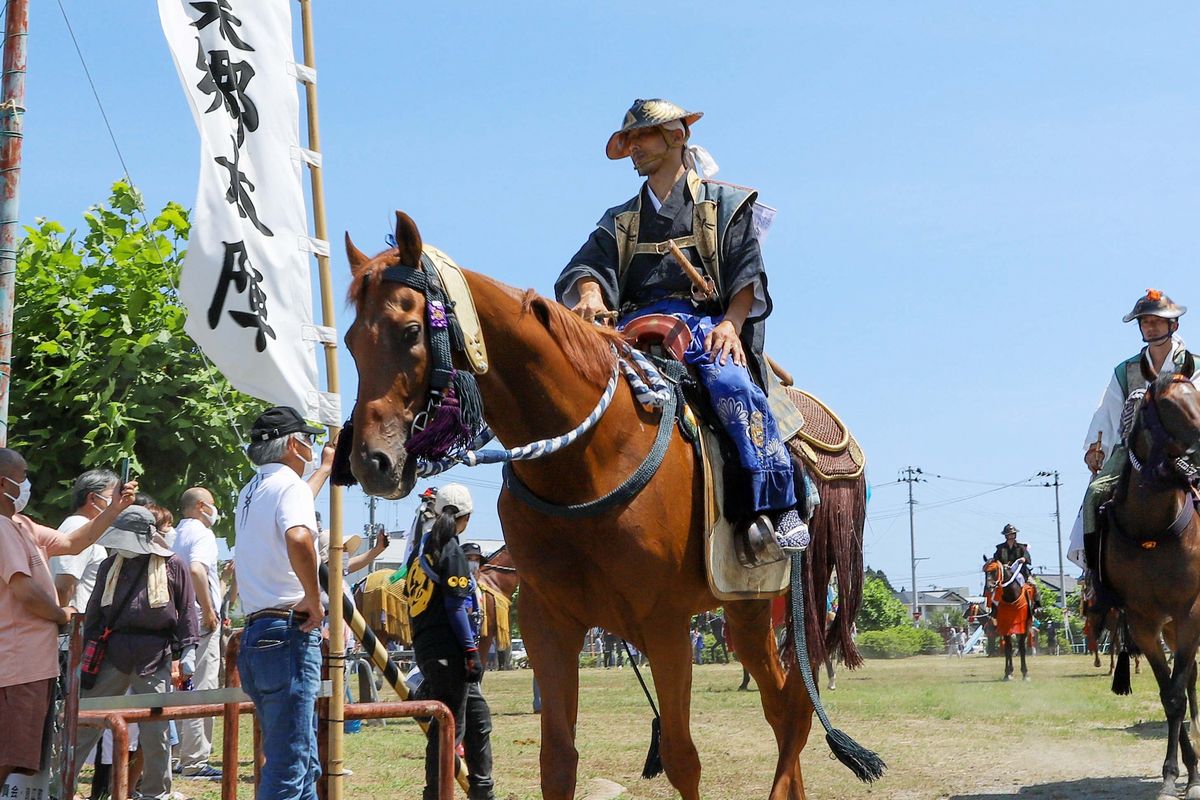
(1145, 636)
(669, 649)
(553, 645)
(1007, 645)
(786, 704)
(1024, 669)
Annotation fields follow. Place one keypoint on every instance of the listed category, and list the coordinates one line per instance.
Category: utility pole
(12, 114)
(1062, 593)
(910, 477)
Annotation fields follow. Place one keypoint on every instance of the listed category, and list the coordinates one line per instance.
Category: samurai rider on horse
(1010, 551)
(1106, 454)
(637, 262)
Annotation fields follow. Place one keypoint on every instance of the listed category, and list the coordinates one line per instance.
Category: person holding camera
(30, 607)
(441, 600)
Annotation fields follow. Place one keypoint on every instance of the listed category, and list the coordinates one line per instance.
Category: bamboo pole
(337, 641)
(12, 113)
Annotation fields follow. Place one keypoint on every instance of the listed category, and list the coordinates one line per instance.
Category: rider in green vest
(1158, 320)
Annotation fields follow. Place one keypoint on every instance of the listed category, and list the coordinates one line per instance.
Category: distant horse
(1150, 557)
(1012, 604)
(496, 575)
(637, 569)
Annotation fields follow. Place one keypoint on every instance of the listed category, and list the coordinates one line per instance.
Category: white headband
(694, 156)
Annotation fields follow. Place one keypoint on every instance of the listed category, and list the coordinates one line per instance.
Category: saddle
(819, 442)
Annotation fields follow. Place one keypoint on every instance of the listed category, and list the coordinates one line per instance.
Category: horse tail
(837, 543)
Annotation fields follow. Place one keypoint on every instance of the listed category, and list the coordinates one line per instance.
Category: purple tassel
(443, 433)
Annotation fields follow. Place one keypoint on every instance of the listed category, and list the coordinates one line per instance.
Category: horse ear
(408, 240)
(356, 257)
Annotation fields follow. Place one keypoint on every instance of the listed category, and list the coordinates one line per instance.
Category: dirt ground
(947, 728)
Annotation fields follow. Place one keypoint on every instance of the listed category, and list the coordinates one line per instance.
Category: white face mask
(103, 504)
(211, 517)
(24, 489)
(314, 459)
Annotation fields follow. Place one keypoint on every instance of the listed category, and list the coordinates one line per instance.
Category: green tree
(102, 368)
(880, 609)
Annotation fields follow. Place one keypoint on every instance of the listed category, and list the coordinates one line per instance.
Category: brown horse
(1012, 609)
(637, 570)
(498, 574)
(1151, 556)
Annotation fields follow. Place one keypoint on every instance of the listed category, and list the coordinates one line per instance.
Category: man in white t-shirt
(75, 576)
(196, 544)
(276, 567)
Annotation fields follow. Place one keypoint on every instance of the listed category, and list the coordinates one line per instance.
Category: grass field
(947, 728)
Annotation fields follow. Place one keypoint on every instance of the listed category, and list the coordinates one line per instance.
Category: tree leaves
(102, 367)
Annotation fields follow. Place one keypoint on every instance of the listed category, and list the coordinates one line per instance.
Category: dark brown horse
(636, 570)
(498, 574)
(1151, 556)
(1012, 605)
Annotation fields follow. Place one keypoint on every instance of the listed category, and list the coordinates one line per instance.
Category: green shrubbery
(900, 641)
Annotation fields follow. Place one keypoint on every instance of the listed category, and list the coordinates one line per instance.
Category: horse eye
(411, 334)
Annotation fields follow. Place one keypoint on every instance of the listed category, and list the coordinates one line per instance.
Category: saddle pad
(788, 418)
(824, 442)
(727, 578)
(456, 286)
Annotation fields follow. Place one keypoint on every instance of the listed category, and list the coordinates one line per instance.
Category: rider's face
(648, 148)
(1154, 328)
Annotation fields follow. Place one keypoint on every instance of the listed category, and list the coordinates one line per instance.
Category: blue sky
(970, 195)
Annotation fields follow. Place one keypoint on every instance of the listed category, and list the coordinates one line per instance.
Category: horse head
(1165, 434)
(390, 346)
(993, 576)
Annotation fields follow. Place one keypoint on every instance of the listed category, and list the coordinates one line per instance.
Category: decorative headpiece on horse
(453, 414)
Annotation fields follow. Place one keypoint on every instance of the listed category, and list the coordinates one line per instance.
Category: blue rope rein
(652, 391)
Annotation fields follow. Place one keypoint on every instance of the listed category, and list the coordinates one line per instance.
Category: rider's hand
(591, 301)
(1094, 458)
(722, 342)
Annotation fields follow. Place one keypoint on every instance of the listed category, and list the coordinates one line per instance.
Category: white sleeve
(297, 509)
(68, 565)
(1107, 418)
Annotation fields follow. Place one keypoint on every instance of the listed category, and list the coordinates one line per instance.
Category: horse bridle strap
(438, 314)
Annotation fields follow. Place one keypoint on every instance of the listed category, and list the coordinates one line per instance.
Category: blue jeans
(742, 408)
(280, 667)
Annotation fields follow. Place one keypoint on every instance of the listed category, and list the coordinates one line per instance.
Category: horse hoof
(1193, 792)
(1025, 677)
(1008, 677)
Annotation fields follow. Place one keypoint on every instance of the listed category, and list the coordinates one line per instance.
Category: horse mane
(588, 347)
(495, 553)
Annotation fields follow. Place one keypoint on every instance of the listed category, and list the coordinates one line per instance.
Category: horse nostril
(381, 462)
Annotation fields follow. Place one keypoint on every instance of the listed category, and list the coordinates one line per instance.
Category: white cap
(453, 494)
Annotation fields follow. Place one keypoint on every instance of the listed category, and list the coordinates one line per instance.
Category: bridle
(1160, 470)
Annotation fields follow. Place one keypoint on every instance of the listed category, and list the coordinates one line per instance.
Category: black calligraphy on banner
(237, 270)
(226, 81)
(240, 190)
(219, 10)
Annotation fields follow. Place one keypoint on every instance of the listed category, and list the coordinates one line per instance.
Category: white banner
(246, 278)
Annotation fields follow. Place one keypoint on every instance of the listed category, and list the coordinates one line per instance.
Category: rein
(450, 430)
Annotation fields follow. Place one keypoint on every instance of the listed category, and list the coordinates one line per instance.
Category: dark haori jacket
(716, 222)
(1008, 555)
(145, 636)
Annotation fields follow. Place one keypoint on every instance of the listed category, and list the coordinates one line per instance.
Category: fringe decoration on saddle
(836, 545)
